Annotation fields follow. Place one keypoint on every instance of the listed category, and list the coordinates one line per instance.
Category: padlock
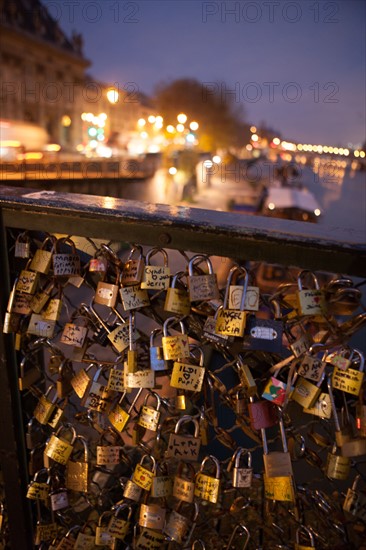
(29, 373)
(97, 396)
(162, 484)
(35, 462)
(22, 245)
(231, 322)
(65, 264)
(141, 475)
(234, 537)
(102, 535)
(240, 401)
(277, 463)
(77, 471)
(65, 375)
(58, 495)
(178, 526)
(207, 487)
(59, 449)
(99, 262)
(107, 454)
(276, 391)
(45, 407)
(11, 322)
(119, 526)
(73, 334)
(148, 539)
(41, 327)
(18, 302)
(310, 301)
(151, 515)
(298, 343)
(118, 417)
(40, 486)
(337, 466)
(355, 501)
(42, 259)
(123, 335)
(183, 487)
(262, 414)
(242, 477)
(68, 541)
(321, 408)
(247, 381)
(175, 347)
(188, 376)
(311, 367)
(54, 307)
(28, 280)
(133, 269)
(177, 299)
(39, 300)
(156, 277)
(85, 539)
(341, 436)
(305, 392)
(149, 417)
(103, 329)
(202, 287)
(134, 297)
(107, 293)
(46, 529)
(81, 381)
(157, 362)
(132, 491)
(184, 447)
(350, 380)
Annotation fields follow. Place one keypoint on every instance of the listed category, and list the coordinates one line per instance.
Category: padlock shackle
(303, 273)
(184, 420)
(135, 247)
(172, 321)
(240, 451)
(157, 250)
(154, 333)
(361, 358)
(234, 536)
(307, 531)
(197, 260)
(216, 462)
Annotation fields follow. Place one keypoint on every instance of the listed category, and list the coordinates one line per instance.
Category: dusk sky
(297, 66)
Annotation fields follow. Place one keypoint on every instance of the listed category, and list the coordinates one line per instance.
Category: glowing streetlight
(182, 118)
(151, 119)
(180, 127)
(216, 159)
(66, 121)
(276, 141)
(253, 129)
(194, 125)
(112, 95)
(141, 122)
(254, 137)
(170, 129)
(172, 170)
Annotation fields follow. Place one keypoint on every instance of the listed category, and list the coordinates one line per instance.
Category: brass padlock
(40, 486)
(207, 487)
(152, 515)
(133, 269)
(28, 280)
(188, 376)
(42, 259)
(305, 392)
(311, 367)
(183, 487)
(156, 277)
(107, 454)
(59, 449)
(175, 347)
(355, 501)
(45, 407)
(118, 417)
(242, 477)
(134, 297)
(107, 293)
(149, 417)
(73, 334)
(65, 375)
(81, 381)
(337, 467)
(132, 491)
(184, 447)
(142, 476)
(247, 381)
(29, 373)
(85, 539)
(162, 485)
(231, 322)
(59, 499)
(97, 396)
(102, 535)
(54, 307)
(202, 287)
(310, 301)
(177, 299)
(277, 463)
(38, 326)
(119, 526)
(350, 380)
(40, 299)
(178, 526)
(77, 472)
(65, 265)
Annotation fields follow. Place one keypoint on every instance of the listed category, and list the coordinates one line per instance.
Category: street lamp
(182, 118)
(112, 95)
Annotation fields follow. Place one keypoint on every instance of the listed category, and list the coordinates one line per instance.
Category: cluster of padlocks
(167, 409)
